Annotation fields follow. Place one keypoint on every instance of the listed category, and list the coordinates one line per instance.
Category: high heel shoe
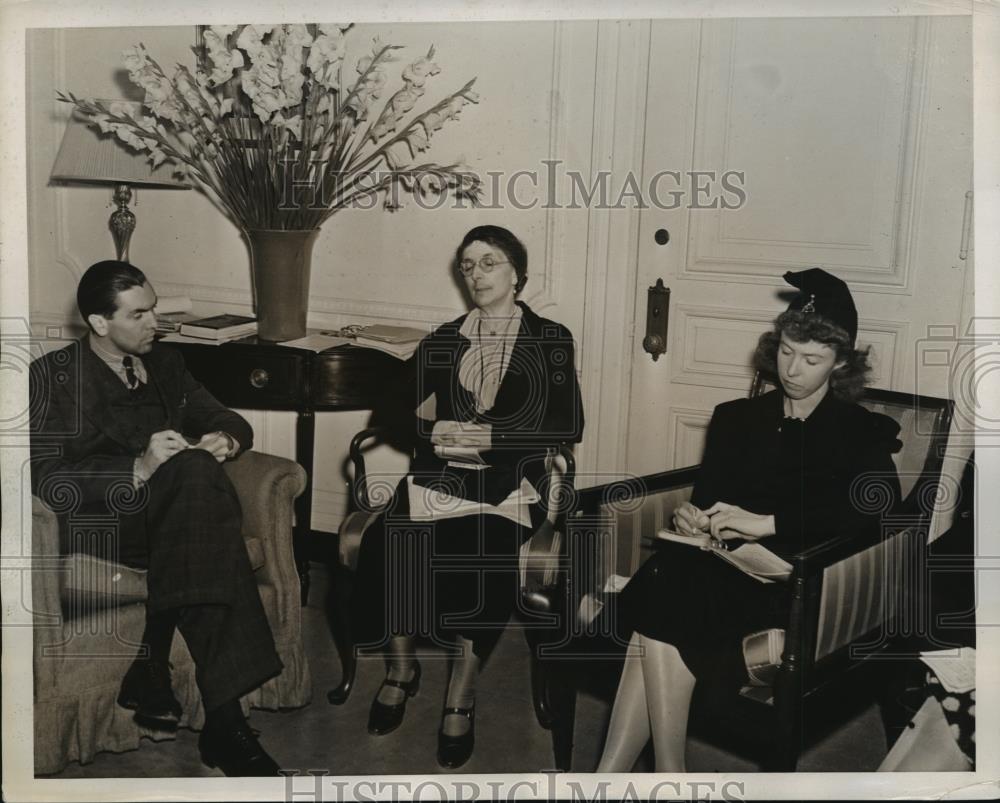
(384, 718)
(454, 751)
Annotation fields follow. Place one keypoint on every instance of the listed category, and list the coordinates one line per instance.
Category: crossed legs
(653, 700)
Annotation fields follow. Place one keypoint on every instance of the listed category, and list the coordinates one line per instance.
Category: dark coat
(810, 474)
(74, 430)
(537, 405)
(806, 473)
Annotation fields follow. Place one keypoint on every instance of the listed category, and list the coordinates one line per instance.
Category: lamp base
(122, 222)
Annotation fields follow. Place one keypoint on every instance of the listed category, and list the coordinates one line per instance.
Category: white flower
(224, 62)
(417, 73)
(293, 125)
(221, 31)
(397, 156)
(250, 39)
(120, 109)
(297, 36)
(430, 182)
(418, 142)
(134, 58)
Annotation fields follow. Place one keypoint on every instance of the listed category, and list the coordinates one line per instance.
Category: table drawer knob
(259, 377)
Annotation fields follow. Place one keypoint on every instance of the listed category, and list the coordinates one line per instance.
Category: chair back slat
(860, 592)
(634, 519)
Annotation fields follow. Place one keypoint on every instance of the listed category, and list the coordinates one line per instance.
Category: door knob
(657, 317)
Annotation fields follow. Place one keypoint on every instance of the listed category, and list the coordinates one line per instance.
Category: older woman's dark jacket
(537, 405)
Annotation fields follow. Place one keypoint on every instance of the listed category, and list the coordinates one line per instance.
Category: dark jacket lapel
(96, 379)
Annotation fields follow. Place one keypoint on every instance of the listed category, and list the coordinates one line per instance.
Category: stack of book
(399, 341)
(170, 323)
(171, 312)
(220, 328)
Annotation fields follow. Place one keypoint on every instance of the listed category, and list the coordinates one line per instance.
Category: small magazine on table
(750, 557)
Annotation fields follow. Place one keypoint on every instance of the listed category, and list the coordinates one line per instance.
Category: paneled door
(853, 141)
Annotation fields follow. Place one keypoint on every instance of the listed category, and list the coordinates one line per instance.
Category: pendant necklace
(482, 358)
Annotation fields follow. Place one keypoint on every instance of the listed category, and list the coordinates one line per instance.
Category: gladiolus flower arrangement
(268, 127)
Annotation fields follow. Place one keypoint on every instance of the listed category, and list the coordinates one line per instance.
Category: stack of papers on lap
(427, 504)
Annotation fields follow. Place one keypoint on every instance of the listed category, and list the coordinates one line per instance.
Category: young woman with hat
(782, 469)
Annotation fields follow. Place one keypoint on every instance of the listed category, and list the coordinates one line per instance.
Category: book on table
(220, 327)
(749, 557)
(382, 333)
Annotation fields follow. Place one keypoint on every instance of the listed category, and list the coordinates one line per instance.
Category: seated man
(116, 407)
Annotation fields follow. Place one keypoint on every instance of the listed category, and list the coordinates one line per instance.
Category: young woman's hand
(690, 520)
(731, 521)
(462, 433)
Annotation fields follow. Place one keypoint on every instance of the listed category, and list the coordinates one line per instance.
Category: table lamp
(87, 156)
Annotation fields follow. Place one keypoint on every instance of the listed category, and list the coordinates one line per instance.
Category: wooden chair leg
(788, 711)
(562, 699)
(343, 635)
(540, 690)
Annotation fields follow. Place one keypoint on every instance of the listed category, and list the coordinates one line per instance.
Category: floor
(508, 737)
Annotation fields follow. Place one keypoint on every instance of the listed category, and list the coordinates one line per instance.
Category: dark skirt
(704, 606)
(438, 579)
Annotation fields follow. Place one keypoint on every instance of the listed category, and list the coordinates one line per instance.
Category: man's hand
(731, 521)
(690, 520)
(462, 433)
(217, 444)
(161, 447)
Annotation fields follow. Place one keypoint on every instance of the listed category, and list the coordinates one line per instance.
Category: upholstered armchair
(89, 616)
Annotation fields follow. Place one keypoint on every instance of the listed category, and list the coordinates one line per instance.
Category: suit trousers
(183, 526)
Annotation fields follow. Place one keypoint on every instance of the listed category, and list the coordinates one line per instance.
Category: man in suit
(116, 410)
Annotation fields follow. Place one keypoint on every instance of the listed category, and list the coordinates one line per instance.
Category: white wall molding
(612, 243)
(687, 428)
(707, 260)
(736, 331)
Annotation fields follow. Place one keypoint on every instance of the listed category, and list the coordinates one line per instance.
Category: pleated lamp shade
(87, 155)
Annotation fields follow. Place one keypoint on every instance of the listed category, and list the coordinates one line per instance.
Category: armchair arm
(360, 485)
(267, 486)
(541, 555)
(46, 607)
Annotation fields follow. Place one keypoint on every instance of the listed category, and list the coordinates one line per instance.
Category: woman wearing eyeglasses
(491, 390)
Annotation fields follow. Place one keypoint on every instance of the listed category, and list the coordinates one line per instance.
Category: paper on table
(178, 338)
(514, 507)
(956, 671)
(316, 341)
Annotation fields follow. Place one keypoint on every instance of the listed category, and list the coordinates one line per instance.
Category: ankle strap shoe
(384, 718)
(454, 751)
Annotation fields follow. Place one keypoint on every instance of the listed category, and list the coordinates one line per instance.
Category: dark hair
(506, 241)
(97, 293)
(847, 382)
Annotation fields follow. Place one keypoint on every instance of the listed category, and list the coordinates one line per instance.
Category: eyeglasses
(486, 262)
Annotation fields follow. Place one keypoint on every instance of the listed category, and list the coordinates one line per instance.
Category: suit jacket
(807, 473)
(537, 405)
(74, 431)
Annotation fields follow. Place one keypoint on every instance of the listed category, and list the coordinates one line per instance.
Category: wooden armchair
(540, 562)
(847, 596)
(89, 616)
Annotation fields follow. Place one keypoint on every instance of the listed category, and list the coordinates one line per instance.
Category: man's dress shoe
(146, 690)
(234, 749)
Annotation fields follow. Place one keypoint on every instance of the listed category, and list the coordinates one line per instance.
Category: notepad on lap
(750, 557)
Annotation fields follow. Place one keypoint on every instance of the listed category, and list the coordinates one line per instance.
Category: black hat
(826, 295)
